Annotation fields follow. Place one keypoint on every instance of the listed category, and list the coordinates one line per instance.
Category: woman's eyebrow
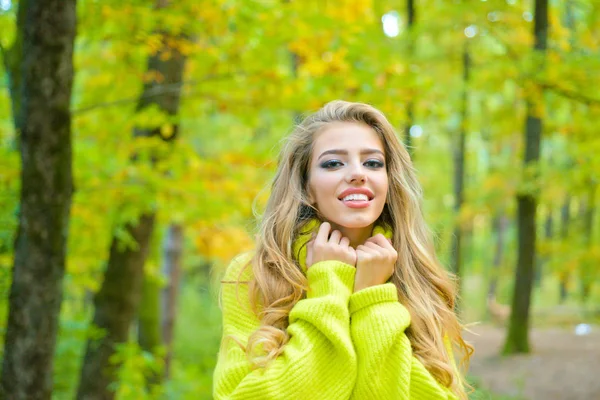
(345, 152)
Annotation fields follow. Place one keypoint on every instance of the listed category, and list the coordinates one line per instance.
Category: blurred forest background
(177, 111)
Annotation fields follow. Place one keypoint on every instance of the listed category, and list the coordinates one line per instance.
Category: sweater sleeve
(319, 359)
(387, 368)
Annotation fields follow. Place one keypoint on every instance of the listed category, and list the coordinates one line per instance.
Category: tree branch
(156, 90)
(580, 97)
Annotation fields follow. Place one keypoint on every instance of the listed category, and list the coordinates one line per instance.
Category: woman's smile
(356, 197)
(348, 180)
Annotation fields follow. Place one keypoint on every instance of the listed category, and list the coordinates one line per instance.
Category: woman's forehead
(348, 136)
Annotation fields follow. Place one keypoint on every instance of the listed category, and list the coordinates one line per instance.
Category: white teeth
(356, 196)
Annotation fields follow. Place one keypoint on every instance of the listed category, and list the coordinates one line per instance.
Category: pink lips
(364, 191)
(357, 203)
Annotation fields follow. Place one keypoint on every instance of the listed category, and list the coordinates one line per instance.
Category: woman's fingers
(335, 237)
(345, 242)
(375, 262)
(309, 251)
(366, 251)
(323, 233)
(374, 246)
(332, 247)
(375, 250)
(381, 241)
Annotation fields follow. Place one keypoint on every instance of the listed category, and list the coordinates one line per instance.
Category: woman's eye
(374, 164)
(331, 164)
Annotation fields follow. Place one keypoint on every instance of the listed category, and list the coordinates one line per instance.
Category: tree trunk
(497, 313)
(565, 218)
(148, 323)
(500, 225)
(589, 271)
(548, 235)
(117, 301)
(410, 22)
(517, 339)
(459, 168)
(149, 337)
(173, 249)
(115, 307)
(47, 29)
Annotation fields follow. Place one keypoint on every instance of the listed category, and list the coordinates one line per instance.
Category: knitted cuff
(373, 295)
(330, 277)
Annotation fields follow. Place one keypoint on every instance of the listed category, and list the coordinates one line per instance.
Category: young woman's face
(348, 182)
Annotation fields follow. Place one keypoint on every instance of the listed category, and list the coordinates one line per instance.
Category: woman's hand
(329, 247)
(376, 260)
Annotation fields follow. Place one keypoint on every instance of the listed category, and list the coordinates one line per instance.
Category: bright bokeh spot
(471, 31)
(391, 24)
(416, 131)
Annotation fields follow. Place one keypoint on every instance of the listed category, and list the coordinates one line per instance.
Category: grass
(483, 394)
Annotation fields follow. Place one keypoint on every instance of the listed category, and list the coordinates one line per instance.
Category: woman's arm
(387, 368)
(318, 362)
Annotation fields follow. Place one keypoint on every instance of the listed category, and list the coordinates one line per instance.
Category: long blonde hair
(424, 287)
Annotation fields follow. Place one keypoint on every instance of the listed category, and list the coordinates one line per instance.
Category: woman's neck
(357, 236)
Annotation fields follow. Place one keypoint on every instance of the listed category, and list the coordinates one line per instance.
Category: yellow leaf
(166, 131)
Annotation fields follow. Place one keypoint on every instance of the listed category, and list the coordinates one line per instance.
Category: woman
(344, 297)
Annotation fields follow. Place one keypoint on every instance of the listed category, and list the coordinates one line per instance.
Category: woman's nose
(357, 175)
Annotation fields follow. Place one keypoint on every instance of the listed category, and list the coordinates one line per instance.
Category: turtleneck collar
(305, 235)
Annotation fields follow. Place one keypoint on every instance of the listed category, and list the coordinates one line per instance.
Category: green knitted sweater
(343, 345)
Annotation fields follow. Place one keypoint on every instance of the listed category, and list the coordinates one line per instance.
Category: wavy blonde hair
(425, 288)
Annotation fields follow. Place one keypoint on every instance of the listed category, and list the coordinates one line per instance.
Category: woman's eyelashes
(372, 163)
(330, 164)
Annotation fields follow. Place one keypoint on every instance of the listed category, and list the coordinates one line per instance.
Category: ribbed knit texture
(342, 345)
(319, 361)
(386, 366)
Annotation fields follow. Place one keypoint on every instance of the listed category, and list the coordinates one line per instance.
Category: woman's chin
(356, 224)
